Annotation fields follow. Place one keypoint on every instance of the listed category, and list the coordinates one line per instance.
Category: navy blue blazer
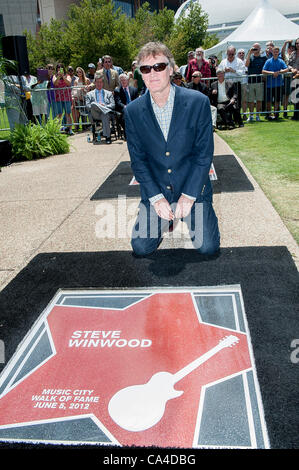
(182, 163)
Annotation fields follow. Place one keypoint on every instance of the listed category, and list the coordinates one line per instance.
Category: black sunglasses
(157, 67)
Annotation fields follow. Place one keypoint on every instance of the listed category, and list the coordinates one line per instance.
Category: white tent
(264, 24)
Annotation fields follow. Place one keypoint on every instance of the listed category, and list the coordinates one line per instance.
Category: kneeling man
(170, 141)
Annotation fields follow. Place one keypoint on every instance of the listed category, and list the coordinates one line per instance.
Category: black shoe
(108, 140)
(241, 124)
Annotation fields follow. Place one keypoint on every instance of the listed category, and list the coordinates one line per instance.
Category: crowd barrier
(70, 105)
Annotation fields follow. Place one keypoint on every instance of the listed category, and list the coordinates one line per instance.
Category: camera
(254, 49)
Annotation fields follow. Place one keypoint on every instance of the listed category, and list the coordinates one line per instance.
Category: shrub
(38, 141)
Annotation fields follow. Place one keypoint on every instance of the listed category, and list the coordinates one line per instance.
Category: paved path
(45, 207)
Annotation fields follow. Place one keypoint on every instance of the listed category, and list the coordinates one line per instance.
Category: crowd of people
(240, 87)
(246, 84)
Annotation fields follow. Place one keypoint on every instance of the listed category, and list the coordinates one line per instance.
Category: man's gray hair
(124, 75)
(153, 49)
(231, 48)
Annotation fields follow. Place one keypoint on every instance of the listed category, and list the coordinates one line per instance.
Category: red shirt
(205, 69)
(65, 94)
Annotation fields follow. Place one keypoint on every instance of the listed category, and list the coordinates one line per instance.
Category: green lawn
(270, 151)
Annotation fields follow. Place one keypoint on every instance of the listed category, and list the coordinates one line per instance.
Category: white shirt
(236, 65)
(222, 96)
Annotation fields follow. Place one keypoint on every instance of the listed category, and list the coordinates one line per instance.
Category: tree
(91, 29)
(50, 45)
(95, 28)
(189, 32)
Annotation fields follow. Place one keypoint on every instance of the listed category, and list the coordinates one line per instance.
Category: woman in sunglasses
(170, 141)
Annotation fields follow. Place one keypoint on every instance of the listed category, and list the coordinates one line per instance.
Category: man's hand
(183, 207)
(163, 209)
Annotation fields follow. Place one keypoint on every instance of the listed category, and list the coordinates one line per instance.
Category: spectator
(73, 77)
(294, 68)
(139, 83)
(117, 68)
(99, 104)
(131, 74)
(286, 89)
(213, 62)
(177, 79)
(196, 83)
(192, 67)
(273, 69)
(27, 81)
(244, 82)
(269, 49)
(203, 65)
(52, 108)
(110, 76)
(225, 98)
(39, 100)
(13, 101)
(255, 64)
(81, 86)
(234, 69)
(183, 68)
(91, 72)
(100, 65)
(71, 73)
(63, 95)
(123, 95)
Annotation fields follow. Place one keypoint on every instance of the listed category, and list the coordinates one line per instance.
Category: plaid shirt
(205, 69)
(164, 114)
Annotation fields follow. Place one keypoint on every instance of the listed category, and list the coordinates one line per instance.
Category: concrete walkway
(45, 207)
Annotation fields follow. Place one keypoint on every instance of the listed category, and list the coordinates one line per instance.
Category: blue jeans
(202, 223)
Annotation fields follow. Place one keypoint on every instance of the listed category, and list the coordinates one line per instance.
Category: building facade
(16, 16)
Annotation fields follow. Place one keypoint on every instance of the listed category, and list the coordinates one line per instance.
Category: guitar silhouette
(140, 407)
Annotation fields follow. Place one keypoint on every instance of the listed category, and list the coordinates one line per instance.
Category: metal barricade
(263, 95)
(257, 95)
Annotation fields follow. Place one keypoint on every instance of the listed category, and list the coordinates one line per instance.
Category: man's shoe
(258, 118)
(241, 124)
(250, 119)
(108, 140)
